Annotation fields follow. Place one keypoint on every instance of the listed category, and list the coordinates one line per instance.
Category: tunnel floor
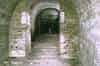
(45, 52)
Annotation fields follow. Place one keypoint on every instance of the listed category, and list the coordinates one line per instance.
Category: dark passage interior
(47, 22)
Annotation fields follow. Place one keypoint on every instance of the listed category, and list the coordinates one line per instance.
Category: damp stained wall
(76, 13)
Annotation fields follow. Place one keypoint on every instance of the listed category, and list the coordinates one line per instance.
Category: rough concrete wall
(96, 32)
(87, 24)
(72, 30)
(6, 7)
(20, 29)
(86, 15)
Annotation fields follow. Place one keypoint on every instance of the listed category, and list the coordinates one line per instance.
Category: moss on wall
(6, 8)
(71, 22)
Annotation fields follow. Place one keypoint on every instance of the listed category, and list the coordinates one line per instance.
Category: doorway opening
(47, 22)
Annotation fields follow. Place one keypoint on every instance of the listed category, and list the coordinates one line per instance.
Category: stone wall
(5, 13)
(86, 13)
(87, 18)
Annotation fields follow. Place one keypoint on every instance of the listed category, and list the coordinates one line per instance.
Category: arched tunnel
(47, 22)
(81, 31)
